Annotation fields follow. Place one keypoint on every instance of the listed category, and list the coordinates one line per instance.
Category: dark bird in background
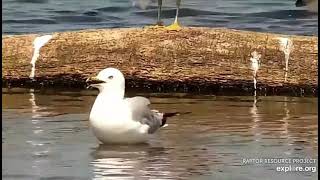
(312, 5)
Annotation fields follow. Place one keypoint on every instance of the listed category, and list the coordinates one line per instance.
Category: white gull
(116, 119)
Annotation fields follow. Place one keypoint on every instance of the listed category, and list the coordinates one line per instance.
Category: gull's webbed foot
(174, 27)
(159, 25)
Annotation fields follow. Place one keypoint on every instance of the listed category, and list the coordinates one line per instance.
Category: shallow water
(43, 16)
(46, 136)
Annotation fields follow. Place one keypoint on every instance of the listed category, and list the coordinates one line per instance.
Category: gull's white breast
(111, 122)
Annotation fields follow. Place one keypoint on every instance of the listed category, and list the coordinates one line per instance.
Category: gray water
(43, 16)
(46, 136)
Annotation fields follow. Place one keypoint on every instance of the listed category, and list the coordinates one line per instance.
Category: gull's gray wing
(141, 112)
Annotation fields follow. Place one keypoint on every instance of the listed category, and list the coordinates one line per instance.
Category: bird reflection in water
(132, 161)
(145, 161)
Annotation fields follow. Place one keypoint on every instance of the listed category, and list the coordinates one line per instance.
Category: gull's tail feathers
(171, 114)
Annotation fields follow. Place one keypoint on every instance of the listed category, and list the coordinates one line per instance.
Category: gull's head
(108, 79)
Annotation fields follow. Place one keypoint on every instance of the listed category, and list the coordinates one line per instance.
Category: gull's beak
(93, 81)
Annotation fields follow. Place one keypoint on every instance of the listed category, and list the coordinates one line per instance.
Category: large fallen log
(193, 60)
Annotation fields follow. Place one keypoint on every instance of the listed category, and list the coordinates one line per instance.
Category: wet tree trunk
(193, 60)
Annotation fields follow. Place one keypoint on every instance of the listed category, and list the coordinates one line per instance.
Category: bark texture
(204, 60)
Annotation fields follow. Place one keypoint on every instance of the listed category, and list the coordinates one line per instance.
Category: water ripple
(209, 143)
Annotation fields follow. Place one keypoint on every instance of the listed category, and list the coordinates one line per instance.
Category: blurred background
(43, 16)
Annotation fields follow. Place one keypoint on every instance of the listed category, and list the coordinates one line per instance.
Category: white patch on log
(286, 46)
(255, 64)
(37, 44)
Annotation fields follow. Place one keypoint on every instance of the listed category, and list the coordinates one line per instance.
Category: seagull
(118, 120)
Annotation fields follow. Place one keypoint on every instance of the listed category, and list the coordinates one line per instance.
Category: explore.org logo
(285, 164)
(296, 169)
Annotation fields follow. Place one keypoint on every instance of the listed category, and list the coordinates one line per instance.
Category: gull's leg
(159, 22)
(175, 26)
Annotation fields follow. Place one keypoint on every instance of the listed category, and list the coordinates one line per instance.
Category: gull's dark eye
(110, 77)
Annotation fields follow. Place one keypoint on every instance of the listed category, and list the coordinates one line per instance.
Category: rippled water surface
(34, 16)
(46, 136)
